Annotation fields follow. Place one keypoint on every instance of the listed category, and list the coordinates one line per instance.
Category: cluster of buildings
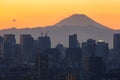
(36, 60)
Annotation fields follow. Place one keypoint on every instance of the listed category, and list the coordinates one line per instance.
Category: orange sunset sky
(34, 13)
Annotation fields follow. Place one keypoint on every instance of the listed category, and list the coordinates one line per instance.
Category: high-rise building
(44, 42)
(18, 54)
(1, 44)
(54, 57)
(41, 63)
(9, 43)
(73, 42)
(116, 43)
(56, 70)
(102, 50)
(84, 49)
(93, 68)
(73, 57)
(62, 50)
(88, 48)
(26, 43)
(91, 45)
(73, 64)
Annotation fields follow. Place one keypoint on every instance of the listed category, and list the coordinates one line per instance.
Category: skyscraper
(116, 43)
(9, 43)
(18, 54)
(73, 42)
(93, 68)
(88, 48)
(1, 43)
(73, 58)
(54, 57)
(42, 66)
(62, 50)
(44, 42)
(91, 45)
(102, 50)
(26, 43)
(116, 49)
(73, 64)
(84, 49)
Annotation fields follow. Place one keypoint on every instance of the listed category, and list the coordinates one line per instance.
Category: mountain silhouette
(79, 20)
(79, 24)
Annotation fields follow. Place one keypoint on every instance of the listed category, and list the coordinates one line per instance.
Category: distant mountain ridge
(79, 24)
(79, 20)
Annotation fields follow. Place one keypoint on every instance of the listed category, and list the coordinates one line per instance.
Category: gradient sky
(34, 13)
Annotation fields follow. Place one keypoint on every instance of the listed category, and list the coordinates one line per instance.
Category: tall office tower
(93, 68)
(102, 50)
(73, 57)
(1, 44)
(91, 44)
(9, 43)
(56, 70)
(44, 42)
(84, 49)
(54, 57)
(26, 43)
(62, 50)
(41, 63)
(73, 63)
(18, 54)
(73, 42)
(116, 43)
(88, 48)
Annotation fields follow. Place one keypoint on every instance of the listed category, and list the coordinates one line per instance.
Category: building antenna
(59, 42)
(46, 33)
(41, 33)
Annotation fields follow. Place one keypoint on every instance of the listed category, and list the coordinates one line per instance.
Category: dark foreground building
(93, 68)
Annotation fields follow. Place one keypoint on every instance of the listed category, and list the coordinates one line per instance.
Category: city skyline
(34, 13)
(59, 40)
(35, 59)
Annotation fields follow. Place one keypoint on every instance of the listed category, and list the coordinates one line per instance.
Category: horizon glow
(34, 13)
